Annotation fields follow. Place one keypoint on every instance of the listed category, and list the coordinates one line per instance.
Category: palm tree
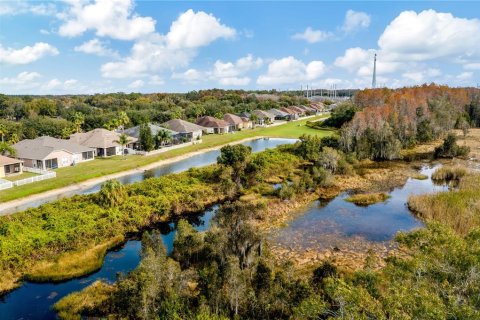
(78, 120)
(123, 120)
(5, 148)
(162, 137)
(111, 193)
(3, 131)
(14, 138)
(123, 140)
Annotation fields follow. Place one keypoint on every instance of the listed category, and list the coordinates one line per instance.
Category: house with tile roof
(10, 166)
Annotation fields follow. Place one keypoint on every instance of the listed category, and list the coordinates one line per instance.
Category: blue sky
(96, 46)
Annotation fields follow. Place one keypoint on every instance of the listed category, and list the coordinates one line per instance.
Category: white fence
(5, 184)
(35, 170)
(45, 176)
(165, 149)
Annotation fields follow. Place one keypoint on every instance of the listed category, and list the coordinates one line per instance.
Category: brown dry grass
(366, 199)
(89, 299)
(72, 264)
(472, 140)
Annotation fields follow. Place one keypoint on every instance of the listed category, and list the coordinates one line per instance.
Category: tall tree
(123, 140)
(146, 138)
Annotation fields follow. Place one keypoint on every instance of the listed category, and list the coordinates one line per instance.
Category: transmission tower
(374, 79)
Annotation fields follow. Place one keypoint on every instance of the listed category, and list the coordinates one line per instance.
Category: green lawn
(24, 175)
(104, 166)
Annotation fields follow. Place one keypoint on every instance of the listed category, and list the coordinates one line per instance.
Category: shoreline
(8, 208)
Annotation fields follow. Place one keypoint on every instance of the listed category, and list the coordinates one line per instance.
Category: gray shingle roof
(232, 119)
(211, 122)
(277, 112)
(98, 138)
(41, 147)
(182, 126)
(261, 114)
(135, 131)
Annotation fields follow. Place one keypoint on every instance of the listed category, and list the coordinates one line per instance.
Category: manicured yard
(104, 166)
(24, 175)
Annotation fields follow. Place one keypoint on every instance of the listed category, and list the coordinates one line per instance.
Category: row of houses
(46, 153)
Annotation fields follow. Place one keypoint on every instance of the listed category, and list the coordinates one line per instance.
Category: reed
(449, 173)
(366, 199)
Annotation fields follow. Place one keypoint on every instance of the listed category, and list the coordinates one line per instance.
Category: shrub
(450, 148)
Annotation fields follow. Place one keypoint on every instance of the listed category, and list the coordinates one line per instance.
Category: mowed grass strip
(105, 166)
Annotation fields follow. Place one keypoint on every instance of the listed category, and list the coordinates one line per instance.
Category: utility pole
(374, 79)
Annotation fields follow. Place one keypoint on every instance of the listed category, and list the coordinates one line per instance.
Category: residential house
(292, 113)
(154, 129)
(104, 142)
(10, 166)
(213, 125)
(244, 114)
(247, 123)
(186, 130)
(301, 112)
(51, 153)
(279, 114)
(263, 117)
(235, 122)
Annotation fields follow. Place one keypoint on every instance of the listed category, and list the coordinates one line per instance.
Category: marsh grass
(419, 176)
(72, 264)
(366, 199)
(448, 173)
(90, 299)
(459, 209)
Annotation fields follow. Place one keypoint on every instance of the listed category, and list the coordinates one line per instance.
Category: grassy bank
(458, 209)
(69, 238)
(366, 199)
(101, 167)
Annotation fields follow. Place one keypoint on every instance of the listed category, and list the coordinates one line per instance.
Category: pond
(343, 226)
(195, 161)
(35, 300)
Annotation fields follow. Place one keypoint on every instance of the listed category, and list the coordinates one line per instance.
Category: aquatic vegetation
(366, 199)
(447, 174)
(459, 209)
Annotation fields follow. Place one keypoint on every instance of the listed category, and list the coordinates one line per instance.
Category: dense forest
(27, 117)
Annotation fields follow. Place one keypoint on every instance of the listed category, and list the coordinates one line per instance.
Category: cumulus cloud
(355, 20)
(472, 66)
(108, 18)
(20, 79)
(196, 29)
(312, 36)
(465, 76)
(97, 47)
(190, 76)
(173, 50)
(443, 38)
(233, 73)
(290, 70)
(23, 7)
(156, 80)
(26, 54)
(136, 84)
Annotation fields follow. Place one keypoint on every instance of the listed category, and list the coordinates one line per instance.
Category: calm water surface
(35, 300)
(199, 160)
(338, 223)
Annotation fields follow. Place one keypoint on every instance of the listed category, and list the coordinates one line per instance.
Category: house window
(7, 169)
(51, 163)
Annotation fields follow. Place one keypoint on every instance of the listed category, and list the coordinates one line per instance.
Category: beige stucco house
(51, 153)
(104, 142)
(10, 166)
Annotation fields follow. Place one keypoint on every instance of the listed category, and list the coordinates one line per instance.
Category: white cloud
(108, 18)
(430, 35)
(355, 20)
(96, 47)
(136, 84)
(193, 30)
(52, 84)
(290, 70)
(20, 79)
(156, 80)
(235, 81)
(472, 66)
(24, 7)
(232, 73)
(176, 49)
(465, 76)
(443, 37)
(312, 36)
(190, 76)
(27, 54)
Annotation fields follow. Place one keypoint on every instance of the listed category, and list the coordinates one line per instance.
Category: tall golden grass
(449, 173)
(459, 209)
